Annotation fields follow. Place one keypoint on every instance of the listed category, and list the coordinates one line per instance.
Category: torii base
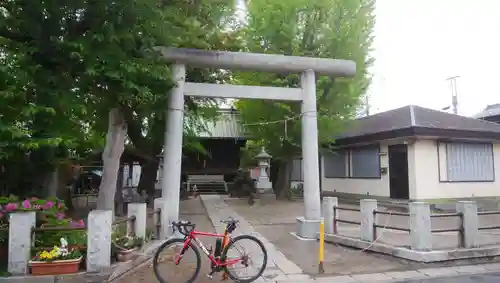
(307, 229)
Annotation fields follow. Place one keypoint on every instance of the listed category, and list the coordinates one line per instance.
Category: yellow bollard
(321, 253)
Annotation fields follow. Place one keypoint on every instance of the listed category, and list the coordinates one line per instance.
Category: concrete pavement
(484, 273)
(483, 278)
(291, 260)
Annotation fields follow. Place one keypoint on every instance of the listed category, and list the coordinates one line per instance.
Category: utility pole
(367, 105)
(454, 94)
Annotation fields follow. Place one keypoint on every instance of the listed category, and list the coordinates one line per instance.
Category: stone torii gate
(308, 225)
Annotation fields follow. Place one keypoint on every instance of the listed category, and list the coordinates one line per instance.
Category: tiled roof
(489, 111)
(415, 117)
(225, 126)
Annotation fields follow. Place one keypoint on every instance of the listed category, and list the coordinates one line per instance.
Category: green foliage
(63, 65)
(328, 29)
(50, 213)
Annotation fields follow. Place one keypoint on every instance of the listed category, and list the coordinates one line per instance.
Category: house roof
(490, 111)
(226, 125)
(417, 121)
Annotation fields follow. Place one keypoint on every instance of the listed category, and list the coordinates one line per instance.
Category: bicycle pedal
(210, 276)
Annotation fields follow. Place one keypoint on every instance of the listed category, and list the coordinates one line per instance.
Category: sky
(420, 43)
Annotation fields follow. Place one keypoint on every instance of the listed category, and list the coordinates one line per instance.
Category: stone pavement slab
(279, 267)
(191, 210)
(479, 278)
(428, 275)
(270, 221)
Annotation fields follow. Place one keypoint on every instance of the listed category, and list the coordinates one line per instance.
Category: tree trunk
(149, 171)
(115, 144)
(283, 181)
(53, 182)
(119, 209)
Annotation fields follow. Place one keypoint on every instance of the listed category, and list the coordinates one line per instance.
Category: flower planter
(79, 247)
(55, 267)
(126, 255)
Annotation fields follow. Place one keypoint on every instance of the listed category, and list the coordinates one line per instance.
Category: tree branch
(134, 130)
(16, 37)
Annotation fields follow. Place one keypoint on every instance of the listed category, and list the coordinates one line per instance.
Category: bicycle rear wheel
(164, 262)
(233, 252)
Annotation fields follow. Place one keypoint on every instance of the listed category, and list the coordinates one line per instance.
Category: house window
(469, 162)
(335, 164)
(297, 170)
(365, 162)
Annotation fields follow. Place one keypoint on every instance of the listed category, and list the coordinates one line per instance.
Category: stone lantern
(263, 185)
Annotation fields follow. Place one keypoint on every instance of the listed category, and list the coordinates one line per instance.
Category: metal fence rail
(489, 227)
(387, 225)
(447, 215)
(422, 223)
(157, 224)
(337, 220)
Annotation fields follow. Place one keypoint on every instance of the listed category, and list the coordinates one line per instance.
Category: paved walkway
(292, 260)
(272, 224)
(191, 210)
(279, 267)
(486, 273)
(477, 278)
(286, 213)
(277, 221)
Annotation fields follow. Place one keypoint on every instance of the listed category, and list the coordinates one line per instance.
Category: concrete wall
(423, 170)
(427, 168)
(372, 187)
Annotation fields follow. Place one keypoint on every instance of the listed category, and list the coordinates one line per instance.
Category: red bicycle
(222, 259)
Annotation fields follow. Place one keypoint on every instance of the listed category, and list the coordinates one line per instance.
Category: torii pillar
(308, 225)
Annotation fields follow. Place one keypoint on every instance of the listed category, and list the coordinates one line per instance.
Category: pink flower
(26, 204)
(77, 224)
(10, 207)
(48, 205)
(60, 205)
(37, 206)
(60, 216)
(1, 215)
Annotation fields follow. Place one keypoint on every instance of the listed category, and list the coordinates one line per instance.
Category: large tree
(197, 25)
(324, 28)
(80, 67)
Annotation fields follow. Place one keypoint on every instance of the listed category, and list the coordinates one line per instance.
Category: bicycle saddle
(181, 223)
(230, 221)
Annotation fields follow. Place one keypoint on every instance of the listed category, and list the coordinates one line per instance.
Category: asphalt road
(484, 278)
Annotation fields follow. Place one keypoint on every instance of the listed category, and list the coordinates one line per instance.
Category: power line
(294, 117)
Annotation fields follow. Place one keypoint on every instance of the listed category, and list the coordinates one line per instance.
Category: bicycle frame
(216, 261)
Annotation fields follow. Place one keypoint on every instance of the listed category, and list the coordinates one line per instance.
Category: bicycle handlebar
(184, 227)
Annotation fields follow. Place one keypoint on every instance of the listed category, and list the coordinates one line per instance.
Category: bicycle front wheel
(172, 267)
(241, 254)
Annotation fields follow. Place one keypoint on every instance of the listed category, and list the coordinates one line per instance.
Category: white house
(415, 153)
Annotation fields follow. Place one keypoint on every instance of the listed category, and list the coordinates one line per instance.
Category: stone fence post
(20, 226)
(140, 212)
(99, 229)
(163, 230)
(420, 226)
(329, 216)
(367, 208)
(470, 223)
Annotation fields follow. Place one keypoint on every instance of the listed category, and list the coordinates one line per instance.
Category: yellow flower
(45, 255)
